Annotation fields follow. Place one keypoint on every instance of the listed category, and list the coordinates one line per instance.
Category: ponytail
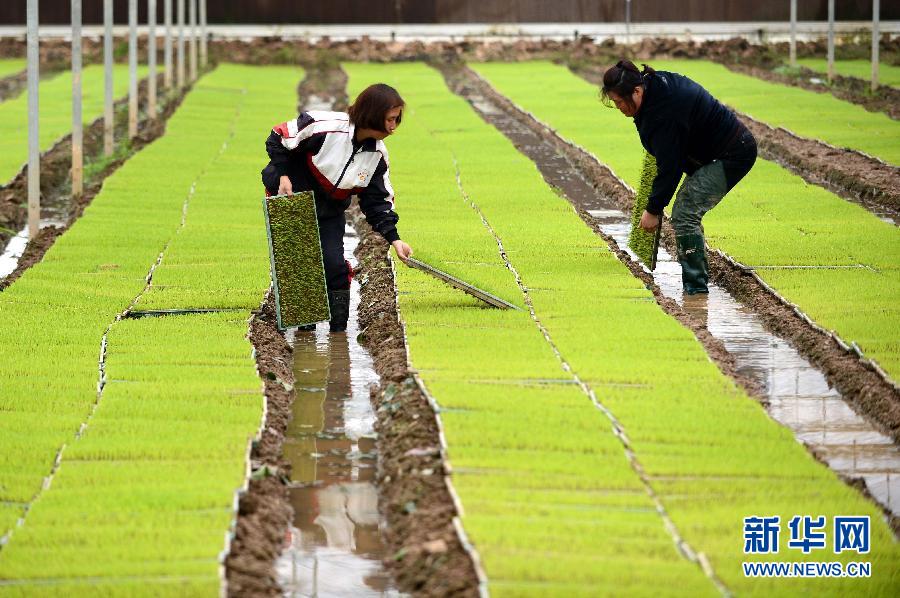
(622, 79)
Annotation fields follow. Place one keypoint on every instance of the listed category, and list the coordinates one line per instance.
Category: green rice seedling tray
(645, 245)
(295, 251)
(463, 286)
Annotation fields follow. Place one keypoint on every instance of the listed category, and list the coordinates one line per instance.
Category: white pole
(34, 150)
(77, 132)
(830, 40)
(192, 37)
(793, 32)
(151, 58)
(180, 79)
(108, 123)
(132, 69)
(204, 56)
(876, 17)
(628, 21)
(167, 58)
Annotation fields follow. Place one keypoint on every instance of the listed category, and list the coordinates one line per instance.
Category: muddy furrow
(13, 85)
(56, 185)
(851, 175)
(264, 512)
(428, 552)
(428, 557)
(856, 379)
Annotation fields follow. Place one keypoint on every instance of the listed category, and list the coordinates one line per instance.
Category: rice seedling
(11, 66)
(550, 499)
(164, 450)
(772, 219)
(297, 260)
(640, 241)
(55, 113)
(888, 74)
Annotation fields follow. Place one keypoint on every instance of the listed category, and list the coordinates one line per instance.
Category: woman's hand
(404, 251)
(284, 186)
(649, 221)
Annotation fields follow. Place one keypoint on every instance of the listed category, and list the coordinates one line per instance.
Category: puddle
(334, 546)
(799, 395)
(54, 212)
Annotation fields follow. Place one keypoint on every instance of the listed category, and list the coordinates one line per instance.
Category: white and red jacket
(318, 152)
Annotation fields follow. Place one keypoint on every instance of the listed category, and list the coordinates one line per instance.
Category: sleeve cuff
(391, 235)
(656, 211)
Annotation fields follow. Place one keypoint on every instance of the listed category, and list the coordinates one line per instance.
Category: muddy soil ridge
(874, 396)
(264, 512)
(56, 166)
(428, 558)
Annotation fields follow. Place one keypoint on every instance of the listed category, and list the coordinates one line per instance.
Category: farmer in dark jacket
(687, 131)
(338, 155)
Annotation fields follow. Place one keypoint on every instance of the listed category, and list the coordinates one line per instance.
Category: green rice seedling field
(55, 97)
(806, 113)
(552, 502)
(772, 220)
(11, 66)
(888, 74)
(142, 496)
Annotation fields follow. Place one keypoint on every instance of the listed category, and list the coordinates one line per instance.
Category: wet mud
(59, 210)
(851, 175)
(264, 511)
(335, 546)
(854, 378)
(796, 393)
(425, 554)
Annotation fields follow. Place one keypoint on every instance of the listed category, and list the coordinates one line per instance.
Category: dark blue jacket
(684, 128)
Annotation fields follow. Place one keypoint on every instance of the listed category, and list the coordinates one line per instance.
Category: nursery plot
(55, 113)
(806, 113)
(172, 396)
(773, 220)
(888, 74)
(550, 500)
(11, 66)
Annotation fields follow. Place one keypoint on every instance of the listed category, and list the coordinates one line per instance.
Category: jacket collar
(368, 145)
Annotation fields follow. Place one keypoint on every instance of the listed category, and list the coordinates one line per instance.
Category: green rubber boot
(694, 270)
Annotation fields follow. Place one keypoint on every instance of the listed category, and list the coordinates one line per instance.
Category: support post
(132, 69)
(77, 129)
(167, 51)
(34, 149)
(180, 16)
(876, 21)
(151, 58)
(830, 40)
(204, 53)
(192, 36)
(108, 122)
(793, 61)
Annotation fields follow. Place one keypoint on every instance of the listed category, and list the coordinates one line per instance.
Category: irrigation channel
(334, 545)
(796, 393)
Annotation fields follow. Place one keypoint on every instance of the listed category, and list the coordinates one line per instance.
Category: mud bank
(264, 512)
(427, 557)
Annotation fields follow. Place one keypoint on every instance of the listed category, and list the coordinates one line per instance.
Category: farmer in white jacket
(337, 155)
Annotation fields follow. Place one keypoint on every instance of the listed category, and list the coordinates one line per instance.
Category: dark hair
(622, 79)
(371, 106)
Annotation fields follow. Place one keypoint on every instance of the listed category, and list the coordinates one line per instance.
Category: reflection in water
(334, 548)
(799, 395)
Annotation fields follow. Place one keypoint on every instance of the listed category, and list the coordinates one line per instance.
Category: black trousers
(337, 269)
